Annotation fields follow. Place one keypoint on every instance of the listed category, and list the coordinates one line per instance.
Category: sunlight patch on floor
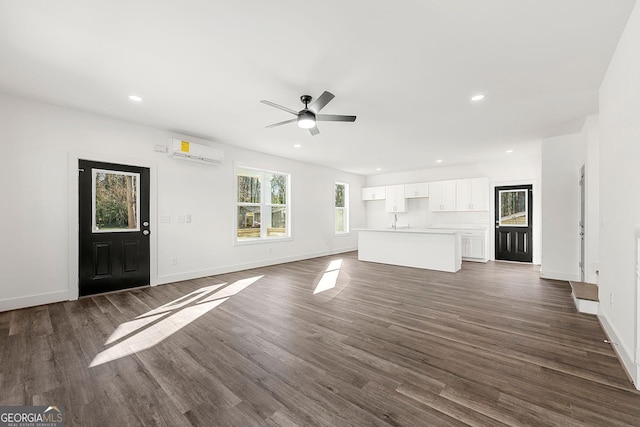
(153, 327)
(330, 277)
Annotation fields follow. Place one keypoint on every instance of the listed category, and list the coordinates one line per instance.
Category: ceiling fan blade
(334, 118)
(321, 101)
(273, 104)
(314, 130)
(282, 123)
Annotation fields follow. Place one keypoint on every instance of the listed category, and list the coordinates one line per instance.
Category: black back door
(114, 227)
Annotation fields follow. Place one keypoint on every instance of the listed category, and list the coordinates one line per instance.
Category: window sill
(262, 241)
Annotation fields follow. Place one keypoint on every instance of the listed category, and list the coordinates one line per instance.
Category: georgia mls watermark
(31, 416)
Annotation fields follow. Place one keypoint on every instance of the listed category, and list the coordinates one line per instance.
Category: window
(513, 208)
(115, 203)
(341, 207)
(263, 205)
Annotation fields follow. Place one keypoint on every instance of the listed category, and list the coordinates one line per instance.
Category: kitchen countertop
(411, 230)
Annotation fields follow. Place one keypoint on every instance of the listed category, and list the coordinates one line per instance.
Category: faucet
(395, 222)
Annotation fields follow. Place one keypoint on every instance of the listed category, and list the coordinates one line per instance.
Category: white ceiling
(406, 69)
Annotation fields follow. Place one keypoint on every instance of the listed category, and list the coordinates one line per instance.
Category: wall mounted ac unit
(196, 152)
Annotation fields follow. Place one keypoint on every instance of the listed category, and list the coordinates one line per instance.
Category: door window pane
(116, 201)
(514, 208)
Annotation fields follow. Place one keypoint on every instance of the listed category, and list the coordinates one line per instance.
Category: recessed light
(478, 97)
(297, 145)
(439, 161)
(509, 151)
(135, 98)
(378, 169)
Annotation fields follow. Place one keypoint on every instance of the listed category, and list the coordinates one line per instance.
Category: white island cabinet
(431, 249)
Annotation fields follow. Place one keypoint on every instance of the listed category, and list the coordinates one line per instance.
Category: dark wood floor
(490, 345)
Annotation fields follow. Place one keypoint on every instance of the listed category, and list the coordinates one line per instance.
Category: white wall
(40, 145)
(619, 195)
(523, 166)
(562, 158)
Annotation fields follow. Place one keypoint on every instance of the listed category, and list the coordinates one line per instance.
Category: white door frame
(73, 231)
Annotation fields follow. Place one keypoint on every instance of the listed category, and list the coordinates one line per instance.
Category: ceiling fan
(308, 116)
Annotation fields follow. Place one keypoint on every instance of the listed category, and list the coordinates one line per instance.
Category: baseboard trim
(162, 280)
(625, 357)
(33, 300)
(556, 275)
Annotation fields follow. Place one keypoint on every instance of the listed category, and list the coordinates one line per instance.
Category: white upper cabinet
(395, 201)
(442, 196)
(414, 191)
(472, 194)
(373, 193)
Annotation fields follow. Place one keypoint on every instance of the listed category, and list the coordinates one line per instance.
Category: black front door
(114, 227)
(513, 223)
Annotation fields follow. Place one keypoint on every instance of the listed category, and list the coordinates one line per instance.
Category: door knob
(146, 223)
(145, 232)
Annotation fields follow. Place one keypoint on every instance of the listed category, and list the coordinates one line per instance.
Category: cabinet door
(480, 194)
(472, 194)
(465, 243)
(373, 193)
(442, 196)
(463, 195)
(473, 245)
(476, 247)
(414, 191)
(395, 201)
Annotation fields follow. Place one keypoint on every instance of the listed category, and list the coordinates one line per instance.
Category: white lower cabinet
(473, 244)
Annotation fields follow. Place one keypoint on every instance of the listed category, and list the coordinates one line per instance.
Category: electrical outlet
(174, 261)
(611, 299)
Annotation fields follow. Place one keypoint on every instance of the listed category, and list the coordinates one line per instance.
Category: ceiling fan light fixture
(306, 119)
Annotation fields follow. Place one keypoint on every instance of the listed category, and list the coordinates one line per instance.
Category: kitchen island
(428, 248)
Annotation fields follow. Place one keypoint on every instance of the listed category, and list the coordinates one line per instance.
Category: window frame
(264, 205)
(344, 208)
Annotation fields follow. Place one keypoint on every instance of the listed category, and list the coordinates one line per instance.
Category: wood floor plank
(491, 345)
